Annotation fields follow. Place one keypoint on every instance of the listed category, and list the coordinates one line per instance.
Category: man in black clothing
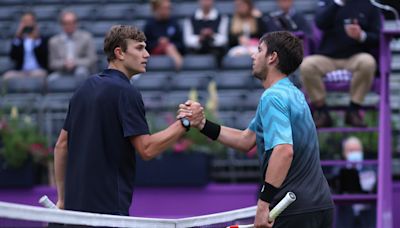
(287, 18)
(351, 31)
(105, 126)
(164, 33)
(28, 50)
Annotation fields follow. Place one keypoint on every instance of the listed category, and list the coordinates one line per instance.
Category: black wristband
(211, 130)
(268, 192)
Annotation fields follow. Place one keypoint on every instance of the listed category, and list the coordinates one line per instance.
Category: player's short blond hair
(117, 36)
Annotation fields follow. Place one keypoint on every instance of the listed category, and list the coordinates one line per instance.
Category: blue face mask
(355, 156)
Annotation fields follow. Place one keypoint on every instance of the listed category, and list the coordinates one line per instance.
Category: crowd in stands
(350, 31)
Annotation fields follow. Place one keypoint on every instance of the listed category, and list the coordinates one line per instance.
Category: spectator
(28, 50)
(355, 178)
(73, 51)
(286, 18)
(245, 29)
(350, 30)
(207, 30)
(164, 35)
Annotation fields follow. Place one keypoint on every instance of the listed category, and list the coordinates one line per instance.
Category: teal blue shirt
(283, 117)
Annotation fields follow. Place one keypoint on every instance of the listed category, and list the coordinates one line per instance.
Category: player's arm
(242, 140)
(279, 164)
(149, 146)
(60, 164)
(278, 167)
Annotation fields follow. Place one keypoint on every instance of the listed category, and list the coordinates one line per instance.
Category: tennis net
(18, 215)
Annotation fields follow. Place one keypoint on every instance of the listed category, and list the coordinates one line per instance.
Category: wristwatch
(185, 123)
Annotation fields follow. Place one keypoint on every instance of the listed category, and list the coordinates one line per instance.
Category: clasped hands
(194, 112)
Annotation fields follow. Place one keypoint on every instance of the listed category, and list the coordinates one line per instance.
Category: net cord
(40, 214)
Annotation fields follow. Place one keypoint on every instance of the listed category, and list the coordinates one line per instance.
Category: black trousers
(318, 219)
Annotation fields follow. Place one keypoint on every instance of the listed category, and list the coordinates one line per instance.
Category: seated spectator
(350, 31)
(287, 18)
(245, 29)
(355, 178)
(72, 52)
(163, 33)
(28, 50)
(206, 31)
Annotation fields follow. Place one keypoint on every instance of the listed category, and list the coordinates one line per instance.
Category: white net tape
(39, 214)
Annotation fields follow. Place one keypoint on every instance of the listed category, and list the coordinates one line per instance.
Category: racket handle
(289, 198)
(241, 226)
(46, 202)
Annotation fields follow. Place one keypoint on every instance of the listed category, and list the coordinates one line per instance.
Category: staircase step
(353, 198)
(344, 162)
(347, 129)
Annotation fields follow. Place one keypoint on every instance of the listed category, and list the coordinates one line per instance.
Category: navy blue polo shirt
(103, 113)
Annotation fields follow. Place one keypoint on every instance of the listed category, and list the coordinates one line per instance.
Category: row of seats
(132, 10)
(165, 63)
(151, 81)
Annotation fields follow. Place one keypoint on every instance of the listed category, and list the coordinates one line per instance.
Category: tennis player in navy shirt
(104, 127)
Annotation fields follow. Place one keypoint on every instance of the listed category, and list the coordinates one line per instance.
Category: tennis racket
(289, 198)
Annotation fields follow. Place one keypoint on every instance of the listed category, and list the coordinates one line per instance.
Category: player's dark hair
(288, 47)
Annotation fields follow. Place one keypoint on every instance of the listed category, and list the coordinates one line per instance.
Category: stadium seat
(184, 9)
(25, 85)
(252, 99)
(226, 118)
(99, 29)
(9, 13)
(62, 85)
(152, 100)
(233, 79)
(266, 6)
(172, 99)
(225, 7)
(115, 12)
(243, 119)
(160, 63)
(99, 42)
(49, 28)
(306, 6)
(231, 100)
(142, 11)
(157, 81)
(237, 62)
(49, 13)
(199, 62)
(186, 80)
(5, 64)
(139, 23)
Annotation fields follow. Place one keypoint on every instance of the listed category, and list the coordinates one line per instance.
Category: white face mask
(355, 156)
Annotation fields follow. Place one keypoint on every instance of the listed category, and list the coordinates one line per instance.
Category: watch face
(185, 122)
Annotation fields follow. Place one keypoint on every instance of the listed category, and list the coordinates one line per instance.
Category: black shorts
(318, 219)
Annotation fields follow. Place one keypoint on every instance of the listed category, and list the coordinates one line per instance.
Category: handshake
(194, 112)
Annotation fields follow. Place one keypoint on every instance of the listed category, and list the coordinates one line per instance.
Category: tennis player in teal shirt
(285, 135)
